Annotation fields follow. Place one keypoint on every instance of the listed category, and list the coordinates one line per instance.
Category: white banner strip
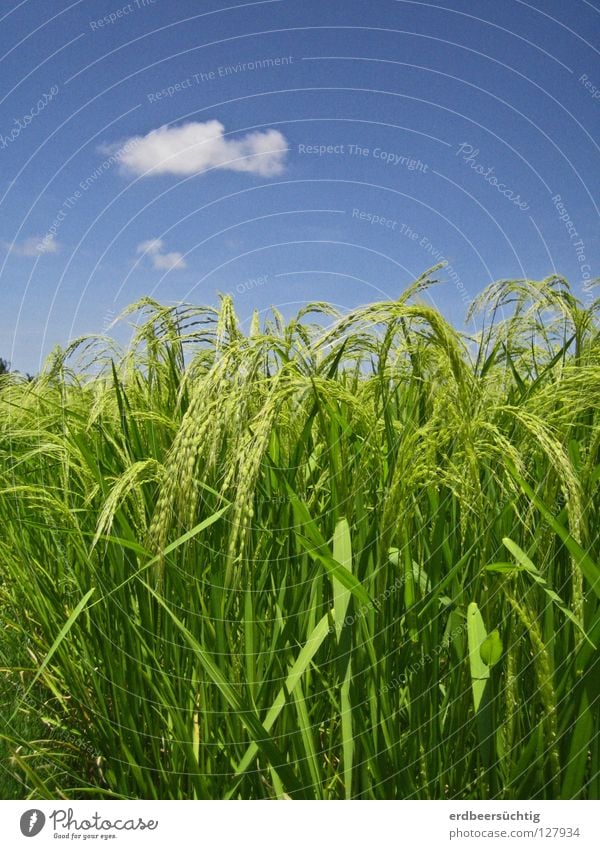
(261, 825)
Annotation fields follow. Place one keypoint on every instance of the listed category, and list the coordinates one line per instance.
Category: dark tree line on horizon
(5, 368)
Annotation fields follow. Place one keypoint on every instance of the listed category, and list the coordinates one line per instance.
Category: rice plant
(343, 556)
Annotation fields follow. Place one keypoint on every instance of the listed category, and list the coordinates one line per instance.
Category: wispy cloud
(194, 147)
(161, 260)
(33, 246)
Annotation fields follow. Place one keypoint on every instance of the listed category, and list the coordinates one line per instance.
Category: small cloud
(161, 261)
(34, 246)
(194, 147)
(164, 262)
(150, 246)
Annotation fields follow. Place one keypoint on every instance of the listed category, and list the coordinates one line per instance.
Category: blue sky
(288, 151)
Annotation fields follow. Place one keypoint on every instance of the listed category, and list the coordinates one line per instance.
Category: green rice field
(339, 556)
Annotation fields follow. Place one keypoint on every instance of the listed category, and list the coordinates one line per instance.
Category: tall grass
(346, 556)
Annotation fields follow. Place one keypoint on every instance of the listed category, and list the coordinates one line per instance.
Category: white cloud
(150, 246)
(161, 261)
(194, 147)
(34, 246)
(164, 262)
